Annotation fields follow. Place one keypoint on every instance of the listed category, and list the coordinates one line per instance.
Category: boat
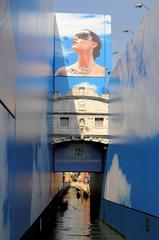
(82, 188)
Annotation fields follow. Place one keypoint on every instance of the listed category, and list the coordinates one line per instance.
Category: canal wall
(27, 182)
(130, 189)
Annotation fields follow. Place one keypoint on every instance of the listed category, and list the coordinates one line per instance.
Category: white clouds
(138, 71)
(86, 84)
(117, 189)
(140, 111)
(69, 24)
(35, 24)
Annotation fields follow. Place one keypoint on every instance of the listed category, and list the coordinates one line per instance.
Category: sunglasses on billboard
(84, 36)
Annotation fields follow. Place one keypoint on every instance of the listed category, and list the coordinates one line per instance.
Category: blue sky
(124, 15)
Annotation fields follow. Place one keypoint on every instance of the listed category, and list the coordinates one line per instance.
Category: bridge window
(82, 90)
(81, 122)
(99, 122)
(64, 122)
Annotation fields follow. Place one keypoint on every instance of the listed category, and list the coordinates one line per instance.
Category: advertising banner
(82, 48)
(78, 157)
(82, 64)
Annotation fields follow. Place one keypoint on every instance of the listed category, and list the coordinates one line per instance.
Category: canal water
(76, 223)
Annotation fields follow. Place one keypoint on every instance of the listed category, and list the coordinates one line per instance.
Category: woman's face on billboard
(83, 42)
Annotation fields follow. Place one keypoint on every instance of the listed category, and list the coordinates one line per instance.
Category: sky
(124, 15)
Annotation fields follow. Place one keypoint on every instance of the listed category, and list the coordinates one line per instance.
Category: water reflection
(76, 223)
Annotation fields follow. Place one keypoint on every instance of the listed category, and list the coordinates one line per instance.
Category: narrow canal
(76, 223)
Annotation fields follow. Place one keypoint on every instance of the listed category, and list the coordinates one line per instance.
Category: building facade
(80, 114)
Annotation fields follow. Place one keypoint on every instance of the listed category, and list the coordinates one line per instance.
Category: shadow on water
(76, 222)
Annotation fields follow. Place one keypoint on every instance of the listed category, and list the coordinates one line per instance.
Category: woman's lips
(75, 42)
